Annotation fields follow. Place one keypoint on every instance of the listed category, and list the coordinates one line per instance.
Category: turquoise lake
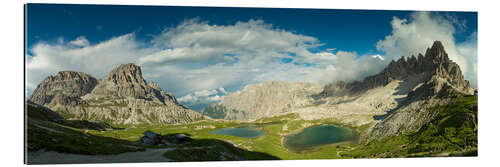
(320, 135)
(250, 131)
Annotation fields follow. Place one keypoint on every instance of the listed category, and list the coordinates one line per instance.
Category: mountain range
(416, 106)
(393, 101)
(122, 97)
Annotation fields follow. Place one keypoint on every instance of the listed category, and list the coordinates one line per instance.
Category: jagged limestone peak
(126, 73)
(67, 83)
(122, 97)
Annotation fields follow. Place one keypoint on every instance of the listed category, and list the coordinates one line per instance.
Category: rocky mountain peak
(437, 51)
(126, 73)
(122, 97)
(124, 81)
(68, 75)
(64, 83)
(435, 57)
(434, 65)
(154, 86)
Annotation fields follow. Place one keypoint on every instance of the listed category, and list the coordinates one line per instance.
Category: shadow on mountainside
(46, 131)
(42, 135)
(39, 112)
(214, 150)
(402, 89)
(50, 140)
(400, 102)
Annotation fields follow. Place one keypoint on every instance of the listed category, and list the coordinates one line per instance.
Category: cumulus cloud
(222, 90)
(416, 34)
(196, 56)
(377, 56)
(97, 60)
(203, 96)
(198, 61)
(80, 41)
(202, 56)
(468, 49)
(194, 41)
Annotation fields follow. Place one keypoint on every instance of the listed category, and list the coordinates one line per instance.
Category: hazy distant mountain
(122, 97)
(262, 100)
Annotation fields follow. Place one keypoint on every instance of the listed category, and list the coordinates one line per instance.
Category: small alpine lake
(246, 131)
(313, 137)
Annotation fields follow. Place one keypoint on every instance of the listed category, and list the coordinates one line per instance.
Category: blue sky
(191, 49)
(355, 30)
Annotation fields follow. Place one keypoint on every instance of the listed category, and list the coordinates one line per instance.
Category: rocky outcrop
(442, 82)
(435, 65)
(127, 81)
(122, 97)
(69, 84)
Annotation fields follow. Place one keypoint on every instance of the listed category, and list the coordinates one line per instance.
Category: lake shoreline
(305, 136)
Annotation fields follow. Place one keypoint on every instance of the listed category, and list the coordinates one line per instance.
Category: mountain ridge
(68, 83)
(434, 63)
(395, 100)
(122, 97)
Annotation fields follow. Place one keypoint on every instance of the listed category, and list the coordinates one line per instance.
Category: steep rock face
(443, 82)
(126, 81)
(266, 99)
(420, 83)
(122, 97)
(435, 65)
(65, 83)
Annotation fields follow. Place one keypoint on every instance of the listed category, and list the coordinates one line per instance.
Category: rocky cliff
(442, 82)
(126, 81)
(435, 65)
(265, 99)
(67, 84)
(122, 97)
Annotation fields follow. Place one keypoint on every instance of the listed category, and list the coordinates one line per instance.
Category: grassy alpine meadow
(275, 129)
(453, 132)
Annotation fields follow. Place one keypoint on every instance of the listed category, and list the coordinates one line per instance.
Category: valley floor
(51, 157)
(449, 135)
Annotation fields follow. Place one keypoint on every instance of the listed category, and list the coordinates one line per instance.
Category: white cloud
(204, 96)
(331, 49)
(194, 41)
(377, 56)
(215, 98)
(415, 35)
(195, 59)
(80, 41)
(97, 60)
(187, 98)
(468, 48)
(222, 90)
(205, 93)
(199, 56)
(196, 56)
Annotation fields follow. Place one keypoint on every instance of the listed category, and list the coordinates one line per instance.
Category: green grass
(452, 131)
(214, 150)
(67, 140)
